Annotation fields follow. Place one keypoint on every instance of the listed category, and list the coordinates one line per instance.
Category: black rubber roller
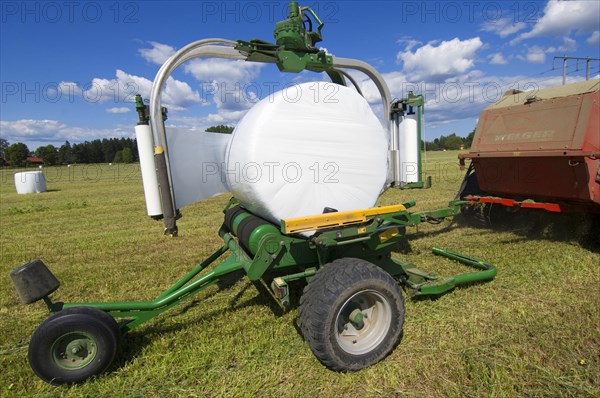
(33, 281)
(245, 229)
(230, 215)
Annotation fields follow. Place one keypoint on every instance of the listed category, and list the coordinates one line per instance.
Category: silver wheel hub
(363, 322)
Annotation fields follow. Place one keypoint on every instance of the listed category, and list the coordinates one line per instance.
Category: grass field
(533, 331)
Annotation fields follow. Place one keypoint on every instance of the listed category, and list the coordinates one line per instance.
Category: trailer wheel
(73, 345)
(477, 214)
(470, 185)
(351, 314)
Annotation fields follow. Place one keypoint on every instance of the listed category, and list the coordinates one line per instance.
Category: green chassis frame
(278, 254)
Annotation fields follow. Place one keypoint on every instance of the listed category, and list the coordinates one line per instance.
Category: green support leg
(142, 311)
(431, 287)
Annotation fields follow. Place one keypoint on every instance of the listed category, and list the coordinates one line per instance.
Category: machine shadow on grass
(131, 345)
(134, 342)
(234, 304)
(579, 228)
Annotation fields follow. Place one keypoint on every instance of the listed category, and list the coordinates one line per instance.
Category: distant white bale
(30, 182)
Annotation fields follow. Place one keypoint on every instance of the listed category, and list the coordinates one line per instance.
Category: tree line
(107, 150)
(221, 128)
(449, 142)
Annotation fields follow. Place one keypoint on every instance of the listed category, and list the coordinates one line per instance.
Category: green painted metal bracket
(294, 61)
(417, 185)
(453, 209)
(279, 288)
(294, 50)
(136, 313)
(430, 285)
(286, 60)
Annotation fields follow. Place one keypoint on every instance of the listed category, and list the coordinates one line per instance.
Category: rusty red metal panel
(545, 146)
(542, 125)
(539, 178)
(523, 122)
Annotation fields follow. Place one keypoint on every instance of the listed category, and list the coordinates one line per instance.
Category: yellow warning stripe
(337, 219)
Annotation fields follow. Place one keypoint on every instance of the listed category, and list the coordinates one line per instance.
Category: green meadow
(534, 331)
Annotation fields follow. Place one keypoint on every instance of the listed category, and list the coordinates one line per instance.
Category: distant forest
(220, 129)
(107, 150)
(450, 142)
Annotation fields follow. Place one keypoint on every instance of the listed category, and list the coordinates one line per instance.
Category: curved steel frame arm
(206, 48)
(370, 71)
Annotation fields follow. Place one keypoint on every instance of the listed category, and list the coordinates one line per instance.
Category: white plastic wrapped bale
(30, 182)
(305, 148)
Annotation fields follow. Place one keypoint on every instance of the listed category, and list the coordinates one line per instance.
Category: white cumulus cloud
(232, 102)
(594, 39)
(437, 62)
(536, 55)
(158, 54)
(497, 59)
(503, 26)
(177, 95)
(118, 110)
(54, 131)
(223, 70)
(568, 45)
(562, 17)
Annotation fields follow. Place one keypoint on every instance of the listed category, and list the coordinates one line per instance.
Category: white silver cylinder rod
(395, 150)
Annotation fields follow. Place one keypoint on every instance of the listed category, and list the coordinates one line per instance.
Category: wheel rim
(74, 350)
(363, 322)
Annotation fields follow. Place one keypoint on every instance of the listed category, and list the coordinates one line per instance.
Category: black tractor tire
(475, 214)
(104, 316)
(351, 314)
(469, 186)
(73, 345)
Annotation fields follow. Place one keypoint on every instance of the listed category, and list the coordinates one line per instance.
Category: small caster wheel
(73, 345)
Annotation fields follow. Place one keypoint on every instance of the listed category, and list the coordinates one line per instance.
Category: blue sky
(69, 70)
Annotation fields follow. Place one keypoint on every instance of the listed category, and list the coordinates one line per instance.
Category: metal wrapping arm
(388, 117)
(197, 49)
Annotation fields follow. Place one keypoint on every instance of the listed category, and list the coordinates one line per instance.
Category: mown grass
(533, 331)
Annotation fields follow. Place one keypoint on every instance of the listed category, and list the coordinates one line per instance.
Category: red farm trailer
(538, 149)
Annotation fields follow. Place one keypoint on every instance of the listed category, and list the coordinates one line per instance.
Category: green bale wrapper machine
(351, 312)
